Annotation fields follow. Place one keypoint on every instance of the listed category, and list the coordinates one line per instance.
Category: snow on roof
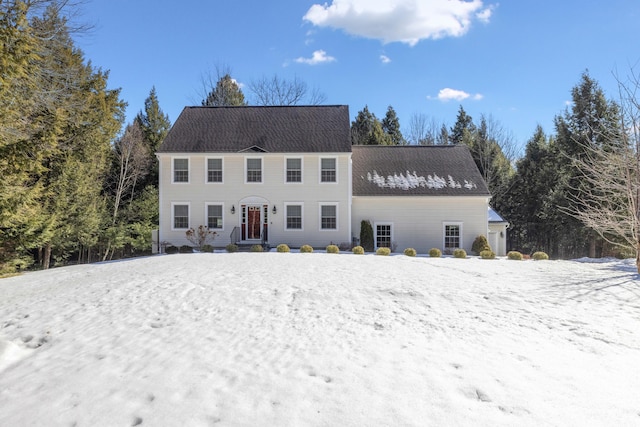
(413, 180)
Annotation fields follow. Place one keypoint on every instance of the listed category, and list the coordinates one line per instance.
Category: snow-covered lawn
(321, 340)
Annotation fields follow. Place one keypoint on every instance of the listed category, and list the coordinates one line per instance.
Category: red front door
(253, 222)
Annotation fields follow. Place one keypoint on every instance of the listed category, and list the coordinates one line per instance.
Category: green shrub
(256, 248)
(207, 248)
(514, 255)
(459, 253)
(487, 254)
(358, 250)
(435, 253)
(480, 244)
(231, 248)
(306, 249)
(333, 249)
(171, 250)
(283, 248)
(410, 252)
(185, 249)
(540, 256)
(383, 251)
(366, 235)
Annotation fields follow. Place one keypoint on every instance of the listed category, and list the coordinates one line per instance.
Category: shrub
(358, 250)
(333, 249)
(435, 253)
(207, 248)
(171, 250)
(514, 255)
(459, 253)
(283, 248)
(366, 235)
(383, 251)
(540, 256)
(410, 252)
(487, 254)
(200, 236)
(231, 248)
(480, 244)
(256, 248)
(306, 249)
(185, 249)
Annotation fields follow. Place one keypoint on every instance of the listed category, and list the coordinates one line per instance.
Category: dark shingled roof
(435, 170)
(293, 129)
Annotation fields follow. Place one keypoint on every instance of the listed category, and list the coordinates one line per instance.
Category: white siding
(418, 222)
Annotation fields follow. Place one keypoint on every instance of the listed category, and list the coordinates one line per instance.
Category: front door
(253, 223)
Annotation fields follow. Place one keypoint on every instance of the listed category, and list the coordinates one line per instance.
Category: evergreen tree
(464, 122)
(366, 129)
(155, 125)
(226, 93)
(391, 126)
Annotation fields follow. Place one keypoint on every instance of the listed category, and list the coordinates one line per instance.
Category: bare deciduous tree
(278, 91)
(424, 130)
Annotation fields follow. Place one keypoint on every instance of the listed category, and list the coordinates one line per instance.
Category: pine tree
(366, 129)
(225, 93)
(464, 122)
(155, 125)
(391, 126)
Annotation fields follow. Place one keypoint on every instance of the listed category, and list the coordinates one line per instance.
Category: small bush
(358, 250)
(333, 249)
(171, 250)
(283, 248)
(410, 252)
(540, 256)
(514, 255)
(306, 249)
(256, 248)
(487, 254)
(231, 248)
(435, 253)
(207, 248)
(460, 253)
(185, 249)
(480, 244)
(383, 251)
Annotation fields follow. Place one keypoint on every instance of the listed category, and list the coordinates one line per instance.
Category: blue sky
(515, 60)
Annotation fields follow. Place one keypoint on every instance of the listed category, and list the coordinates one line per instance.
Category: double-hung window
(254, 170)
(294, 217)
(383, 235)
(214, 216)
(180, 170)
(294, 170)
(328, 170)
(328, 217)
(180, 216)
(452, 236)
(214, 170)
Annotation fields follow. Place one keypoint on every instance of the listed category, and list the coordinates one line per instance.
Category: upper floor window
(180, 170)
(328, 170)
(214, 170)
(294, 170)
(254, 170)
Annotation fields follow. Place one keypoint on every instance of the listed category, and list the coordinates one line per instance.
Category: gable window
(214, 170)
(328, 217)
(294, 217)
(180, 216)
(214, 216)
(328, 170)
(383, 235)
(452, 236)
(180, 170)
(294, 170)
(254, 170)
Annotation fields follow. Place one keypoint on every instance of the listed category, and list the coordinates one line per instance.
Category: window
(327, 170)
(180, 216)
(452, 239)
(294, 217)
(383, 235)
(180, 170)
(254, 170)
(214, 217)
(294, 170)
(328, 217)
(214, 170)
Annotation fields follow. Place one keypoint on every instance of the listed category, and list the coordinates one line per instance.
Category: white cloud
(448, 94)
(385, 59)
(318, 57)
(405, 21)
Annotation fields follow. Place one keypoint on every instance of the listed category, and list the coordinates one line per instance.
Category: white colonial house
(290, 175)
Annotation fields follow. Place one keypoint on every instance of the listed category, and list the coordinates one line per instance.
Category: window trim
(286, 216)
(206, 215)
(375, 233)
(173, 169)
(335, 158)
(173, 215)
(206, 169)
(444, 234)
(286, 169)
(246, 169)
(320, 205)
